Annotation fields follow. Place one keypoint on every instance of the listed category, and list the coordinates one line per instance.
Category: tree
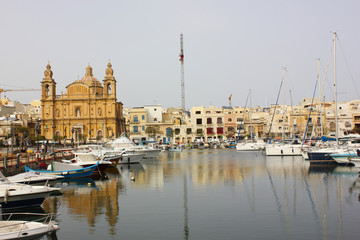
(24, 134)
(152, 131)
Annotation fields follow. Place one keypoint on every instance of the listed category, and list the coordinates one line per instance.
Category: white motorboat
(18, 229)
(16, 195)
(128, 157)
(84, 160)
(250, 146)
(33, 177)
(123, 142)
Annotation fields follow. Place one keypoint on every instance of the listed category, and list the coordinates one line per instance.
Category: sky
(230, 46)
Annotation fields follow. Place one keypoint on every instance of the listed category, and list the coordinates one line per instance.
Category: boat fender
(6, 195)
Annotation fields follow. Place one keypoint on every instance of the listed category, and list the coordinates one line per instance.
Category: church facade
(88, 111)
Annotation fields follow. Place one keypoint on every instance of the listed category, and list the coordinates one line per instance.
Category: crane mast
(182, 73)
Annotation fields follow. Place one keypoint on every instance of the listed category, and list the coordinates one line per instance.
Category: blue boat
(67, 170)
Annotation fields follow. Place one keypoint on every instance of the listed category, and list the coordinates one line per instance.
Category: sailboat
(323, 156)
(292, 149)
(252, 145)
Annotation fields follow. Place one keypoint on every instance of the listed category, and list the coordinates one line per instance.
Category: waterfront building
(88, 111)
(137, 124)
(34, 109)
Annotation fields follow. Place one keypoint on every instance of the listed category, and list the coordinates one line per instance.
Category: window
(136, 119)
(155, 119)
(229, 119)
(198, 121)
(47, 90)
(155, 109)
(109, 89)
(219, 120)
(143, 128)
(136, 129)
(209, 131)
(177, 131)
(239, 119)
(348, 124)
(188, 131)
(199, 131)
(198, 112)
(220, 130)
(209, 121)
(143, 117)
(208, 112)
(230, 129)
(169, 132)
(99, 134)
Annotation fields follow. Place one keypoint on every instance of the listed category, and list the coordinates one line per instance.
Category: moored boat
(16, 195)
(67, 170)
(20, 229)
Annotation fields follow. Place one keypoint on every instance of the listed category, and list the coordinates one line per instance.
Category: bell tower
(48, 85)
(48, 96)
(109, 82)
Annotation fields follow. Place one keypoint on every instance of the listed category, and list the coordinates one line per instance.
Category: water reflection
(267, 192)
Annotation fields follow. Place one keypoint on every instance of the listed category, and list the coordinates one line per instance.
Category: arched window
(47, 89)
(109, 89)
(229, 119)
(99, 134)
(169, 132)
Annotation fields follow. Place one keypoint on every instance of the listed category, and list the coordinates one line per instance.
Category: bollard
(5, 162)
(18, 160)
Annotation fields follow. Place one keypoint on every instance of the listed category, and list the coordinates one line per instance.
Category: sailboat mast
(336, 115)
(320, 97)
(291, 118)
(251, 134)
(283, 125)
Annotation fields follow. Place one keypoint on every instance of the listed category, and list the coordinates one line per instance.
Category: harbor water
(211, 194)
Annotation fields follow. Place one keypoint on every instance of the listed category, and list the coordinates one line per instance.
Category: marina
(210, 194)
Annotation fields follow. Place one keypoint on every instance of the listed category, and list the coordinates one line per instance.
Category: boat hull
(321, 158)
(283, 151)
(74, 173)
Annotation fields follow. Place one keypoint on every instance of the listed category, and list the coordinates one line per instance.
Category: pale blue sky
(229, 46)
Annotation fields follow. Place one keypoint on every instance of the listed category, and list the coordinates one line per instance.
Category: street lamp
(37, 131)
(72, 136)
(53, 127)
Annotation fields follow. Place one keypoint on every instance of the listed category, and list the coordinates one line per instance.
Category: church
(88, 111)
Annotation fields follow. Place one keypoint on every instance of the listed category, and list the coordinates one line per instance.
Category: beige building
(87, 111)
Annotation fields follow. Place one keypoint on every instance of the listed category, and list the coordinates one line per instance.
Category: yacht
(124, 143)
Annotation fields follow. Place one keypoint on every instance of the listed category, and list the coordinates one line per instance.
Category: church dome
(89, 79)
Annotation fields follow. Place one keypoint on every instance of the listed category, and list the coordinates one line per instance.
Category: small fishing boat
(20, 229)
(67, 170)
